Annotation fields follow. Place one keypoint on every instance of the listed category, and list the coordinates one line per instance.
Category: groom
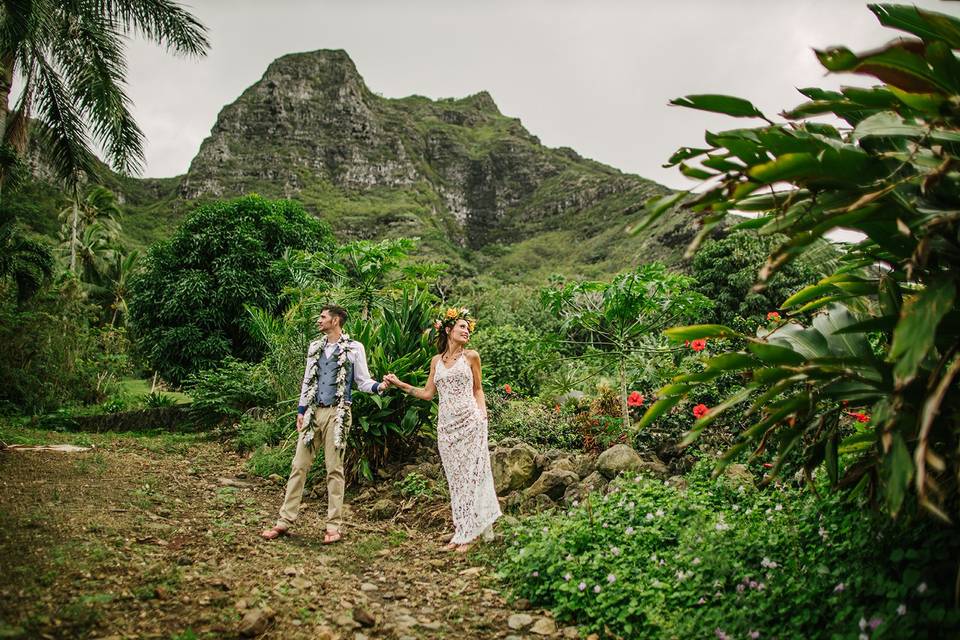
(334, 363)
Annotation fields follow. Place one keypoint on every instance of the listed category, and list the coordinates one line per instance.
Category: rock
(325, 633)
(618, 459)
(233, 482)
(738, 475)
(383, 509)
(290, 571)
(255, 622)
(677, 482)
(546, 459)
(368, 586)
(514, 468)
(363, 617)
(565, 464)
(584, 464)
(521, 604)
(553, 483)
(346, 620)
(300, 583)
(595, 482)
(544, 627)
(510, 442)
(360, 636)
(652, 465)
(542, 502)
(570, 632)
(519, 621)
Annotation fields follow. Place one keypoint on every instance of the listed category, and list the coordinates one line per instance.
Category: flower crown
(453, 314)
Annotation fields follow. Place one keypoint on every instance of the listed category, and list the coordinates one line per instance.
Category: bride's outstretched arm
(474, 359)
(428, 390)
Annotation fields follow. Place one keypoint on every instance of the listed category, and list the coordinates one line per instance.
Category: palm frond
(92, 59)
(162, 21)
(61, 133)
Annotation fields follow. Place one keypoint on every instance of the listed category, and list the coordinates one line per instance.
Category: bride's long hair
(443, 335)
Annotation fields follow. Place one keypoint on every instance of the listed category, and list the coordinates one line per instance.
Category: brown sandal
(274, 533)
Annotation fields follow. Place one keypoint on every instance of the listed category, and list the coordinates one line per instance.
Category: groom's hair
(336, 310)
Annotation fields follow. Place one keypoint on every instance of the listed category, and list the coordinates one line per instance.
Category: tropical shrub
(531, 421)
(726, 269)
(891, 173)
(614, 318)
(510, 355)
(225, 393)
(50, 356)
(396, 342)
(723, 560)
(187, 303)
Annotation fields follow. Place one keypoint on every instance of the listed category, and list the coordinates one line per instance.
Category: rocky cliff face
(454, 172)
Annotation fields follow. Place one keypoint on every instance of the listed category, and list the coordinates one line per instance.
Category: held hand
(384, 386)
(300, 422)
(392, 380)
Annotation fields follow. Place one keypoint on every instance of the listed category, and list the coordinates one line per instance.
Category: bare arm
(426, 393)
(474, 359)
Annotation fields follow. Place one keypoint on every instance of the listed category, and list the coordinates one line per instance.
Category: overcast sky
(594, 75)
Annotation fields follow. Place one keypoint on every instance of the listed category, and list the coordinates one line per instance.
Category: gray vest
(327, 378)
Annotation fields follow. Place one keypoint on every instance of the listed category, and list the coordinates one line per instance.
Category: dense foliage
(613, 319)
(893, 174)
(187, 304)
(723, 560)
(726, 270)
(51, 355)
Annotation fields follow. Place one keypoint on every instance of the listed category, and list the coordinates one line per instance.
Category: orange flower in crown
(451, 316)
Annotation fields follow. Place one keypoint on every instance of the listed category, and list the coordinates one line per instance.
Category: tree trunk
(74, 224)
(623, 393)
(7, 62)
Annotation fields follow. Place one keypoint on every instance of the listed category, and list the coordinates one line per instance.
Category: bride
(461, 429)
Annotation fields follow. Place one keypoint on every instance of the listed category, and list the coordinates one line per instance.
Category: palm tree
(119, 276)
(27, 262)
(100, 205)
(69, 57)
(95, 252)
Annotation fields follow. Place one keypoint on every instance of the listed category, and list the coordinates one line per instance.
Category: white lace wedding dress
(462, 440)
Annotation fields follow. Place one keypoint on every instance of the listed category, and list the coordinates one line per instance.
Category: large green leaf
(898, 470)
(656, 410)
(927, 25)
(916, 330)
(729, 105)
(696, 331)
(896, 64)
(774, 354)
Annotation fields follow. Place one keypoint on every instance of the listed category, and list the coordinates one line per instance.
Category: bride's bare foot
(463, 548)
(450, 546)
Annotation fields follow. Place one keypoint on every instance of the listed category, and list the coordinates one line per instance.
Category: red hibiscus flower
(635, 399)
(699, 344)
(507, 389)
(773, 315)
(700, 410)
(861, 417)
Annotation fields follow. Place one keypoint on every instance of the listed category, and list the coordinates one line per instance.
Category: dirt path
(158, 538)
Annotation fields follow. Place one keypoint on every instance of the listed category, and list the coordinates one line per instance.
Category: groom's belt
(320, 405)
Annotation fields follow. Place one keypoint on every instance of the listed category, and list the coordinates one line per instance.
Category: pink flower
(507, 389)
(700, 410)
(635, 399)
(699, 344)
(773, 315)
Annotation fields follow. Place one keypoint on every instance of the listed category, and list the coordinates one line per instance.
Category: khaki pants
(323, 425)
